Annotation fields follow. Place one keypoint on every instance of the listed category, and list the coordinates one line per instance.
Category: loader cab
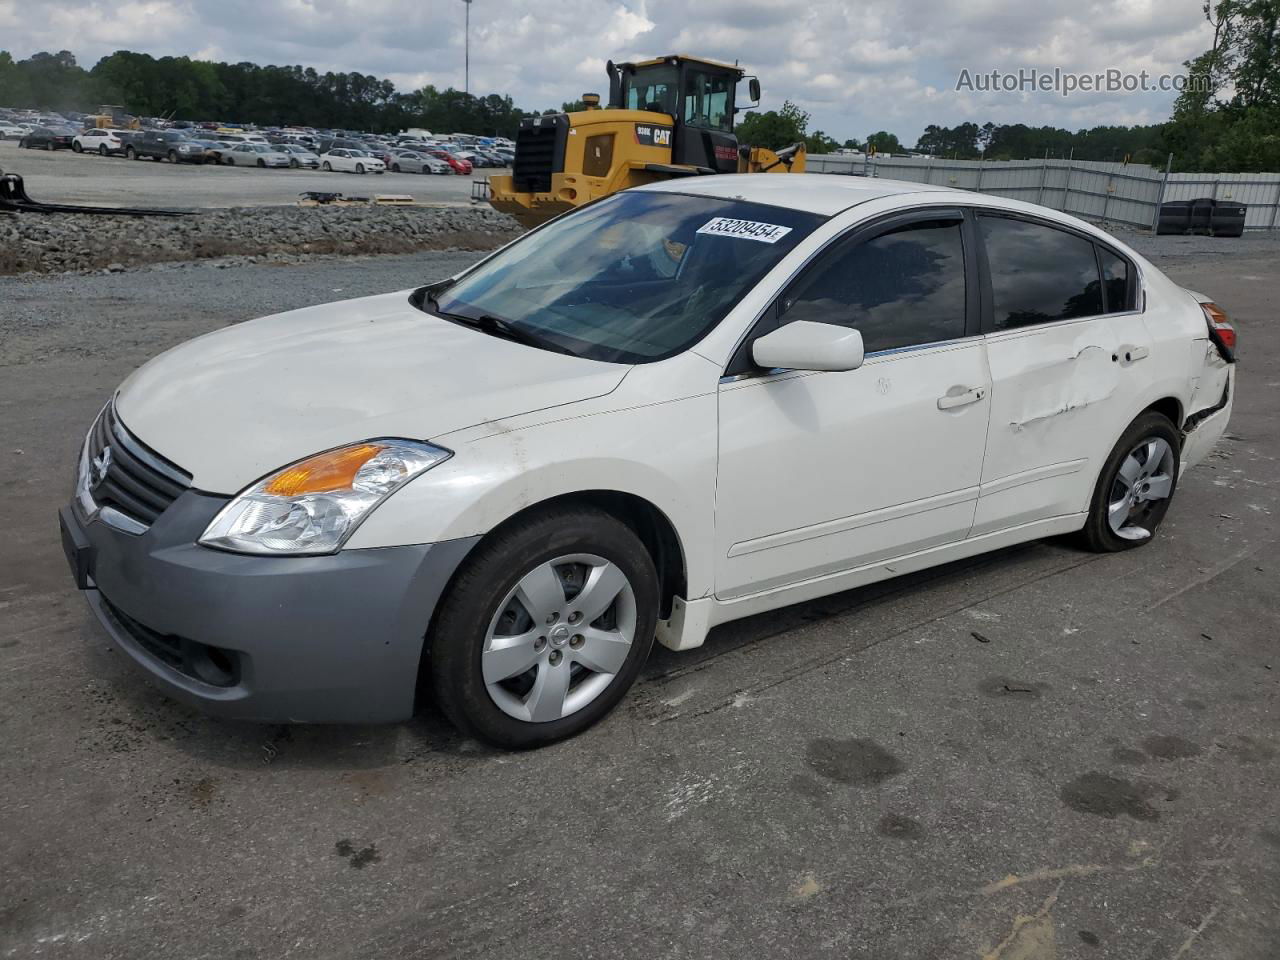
(698, 95)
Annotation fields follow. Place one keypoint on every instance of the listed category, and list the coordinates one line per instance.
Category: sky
(857, 66)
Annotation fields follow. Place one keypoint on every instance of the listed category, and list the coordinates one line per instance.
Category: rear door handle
(953, 400)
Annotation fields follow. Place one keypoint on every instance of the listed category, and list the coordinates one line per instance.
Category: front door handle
(959, 397)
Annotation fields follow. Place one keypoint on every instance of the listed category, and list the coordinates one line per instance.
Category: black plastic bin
(1217, 218)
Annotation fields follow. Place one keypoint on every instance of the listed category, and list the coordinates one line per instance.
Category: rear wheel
(49, 146)
(545, 628)
(173, 156)
(102, 150)
(293, 164)
(395, 168)
(131, 153)
(1136, 486)
(326, 167)
(262, 163)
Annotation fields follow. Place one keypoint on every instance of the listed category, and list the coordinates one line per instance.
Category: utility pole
(466, 74)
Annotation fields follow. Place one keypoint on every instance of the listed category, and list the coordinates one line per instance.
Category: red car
(459, 165)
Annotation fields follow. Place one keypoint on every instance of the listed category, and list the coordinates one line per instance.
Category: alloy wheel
(559, 637)
(1145, 479)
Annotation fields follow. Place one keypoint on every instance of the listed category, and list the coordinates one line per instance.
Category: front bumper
(333, 639)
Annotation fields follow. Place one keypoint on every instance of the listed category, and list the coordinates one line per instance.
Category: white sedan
(255, 155)
(351, 161)
(12, 131)
(684, 404)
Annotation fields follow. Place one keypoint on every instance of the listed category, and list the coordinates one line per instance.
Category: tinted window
(901, 288)
(1115, 277)
(1039, 274)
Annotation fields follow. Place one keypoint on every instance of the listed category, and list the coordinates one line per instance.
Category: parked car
(457, 164)
(351, 161)
(171, 145)
(214, 150)
(704, 399)
(300, 156)
(255, 155)
(99, 140)
(48, 138)
(410, 161)
(11, 131)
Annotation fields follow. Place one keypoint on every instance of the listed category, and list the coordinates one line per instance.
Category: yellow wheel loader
(667, 117)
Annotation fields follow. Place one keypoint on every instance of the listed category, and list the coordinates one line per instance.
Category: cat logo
(648, 135)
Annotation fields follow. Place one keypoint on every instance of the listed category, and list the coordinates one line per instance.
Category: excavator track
(14, 199)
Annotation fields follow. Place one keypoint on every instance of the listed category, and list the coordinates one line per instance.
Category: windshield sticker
(744, 229)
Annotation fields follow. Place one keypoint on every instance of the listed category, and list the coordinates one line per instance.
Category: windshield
(651, 88)
(634, 278)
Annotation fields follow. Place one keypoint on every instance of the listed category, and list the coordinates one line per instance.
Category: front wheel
(262, 164)
(49, 146)
(1135, 487)
(76, 148)
(173, 157)
(131, 153)
(359, 168)
(545, 628)
(293, 164)
(395, 168)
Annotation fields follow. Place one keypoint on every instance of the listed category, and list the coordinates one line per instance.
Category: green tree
(884, 142)
(773, 129)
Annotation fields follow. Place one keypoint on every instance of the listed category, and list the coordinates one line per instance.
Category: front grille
(137, 481)
(539, 152)
(212, 665)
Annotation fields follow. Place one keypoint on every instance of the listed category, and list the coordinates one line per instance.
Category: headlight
(313, 506)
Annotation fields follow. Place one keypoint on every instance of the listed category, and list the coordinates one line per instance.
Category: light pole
(466, 69)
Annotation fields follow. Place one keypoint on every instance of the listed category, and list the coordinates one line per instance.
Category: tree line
(186, 89)
(1227, 121)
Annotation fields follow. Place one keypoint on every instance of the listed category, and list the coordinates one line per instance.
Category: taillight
(1221, 332)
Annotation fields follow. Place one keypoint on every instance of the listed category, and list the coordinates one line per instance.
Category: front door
(823, 472)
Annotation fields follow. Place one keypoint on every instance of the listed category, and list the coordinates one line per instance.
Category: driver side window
(901, 288)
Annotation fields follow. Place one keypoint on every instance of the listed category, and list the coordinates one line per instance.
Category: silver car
(255, 155)
(299, 156)
(410, 161)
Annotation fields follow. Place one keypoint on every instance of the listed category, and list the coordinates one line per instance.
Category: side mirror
(807, 345)
(753, 87)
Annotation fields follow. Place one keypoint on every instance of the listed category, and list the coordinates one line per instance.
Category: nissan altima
(684, 404)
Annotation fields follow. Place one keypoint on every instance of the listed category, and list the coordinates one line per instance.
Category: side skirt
(691, 620)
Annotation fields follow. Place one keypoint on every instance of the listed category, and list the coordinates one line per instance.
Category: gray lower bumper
(333, 639)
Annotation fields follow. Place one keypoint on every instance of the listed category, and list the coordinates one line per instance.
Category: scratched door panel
(1054, 408)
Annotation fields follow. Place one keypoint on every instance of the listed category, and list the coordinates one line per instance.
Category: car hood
(237, 404)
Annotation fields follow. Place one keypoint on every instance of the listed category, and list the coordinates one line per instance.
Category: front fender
(664, 453)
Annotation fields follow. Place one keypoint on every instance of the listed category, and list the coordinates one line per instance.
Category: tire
(359, 168)
(395, 168)
(293, 164)
(102, 150)
(326, 167)
(482, 605)
(1135, 487)
(131, 153)
(50, 147)
(172, 157)
(262, 164)
(76, 148)
(231, 161)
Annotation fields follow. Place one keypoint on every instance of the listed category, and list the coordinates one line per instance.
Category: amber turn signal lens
(326, 473)
(1220, 324)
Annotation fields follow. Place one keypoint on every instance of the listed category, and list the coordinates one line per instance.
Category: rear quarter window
(1039, 273)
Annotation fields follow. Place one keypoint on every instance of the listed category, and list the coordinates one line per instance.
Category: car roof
(822, 193)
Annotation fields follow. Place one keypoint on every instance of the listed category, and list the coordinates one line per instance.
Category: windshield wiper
(496, 326)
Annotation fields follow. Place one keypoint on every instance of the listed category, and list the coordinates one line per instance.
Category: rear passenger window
(1039, 274)
(1115, 277)
(899, 289)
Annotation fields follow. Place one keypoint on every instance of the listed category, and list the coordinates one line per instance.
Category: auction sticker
(744, 229)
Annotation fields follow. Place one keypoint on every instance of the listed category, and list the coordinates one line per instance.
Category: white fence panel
(1094, 190)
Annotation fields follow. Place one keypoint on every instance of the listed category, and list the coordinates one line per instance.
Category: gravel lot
(66, 177)
(1042, 754)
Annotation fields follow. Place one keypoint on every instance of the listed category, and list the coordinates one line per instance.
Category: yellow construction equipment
(112, 117)
(667, 117)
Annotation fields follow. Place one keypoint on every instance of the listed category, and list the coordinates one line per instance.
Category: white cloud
(856, 66)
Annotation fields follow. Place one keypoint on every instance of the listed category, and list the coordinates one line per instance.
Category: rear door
(824, 472)
(1065, 350)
